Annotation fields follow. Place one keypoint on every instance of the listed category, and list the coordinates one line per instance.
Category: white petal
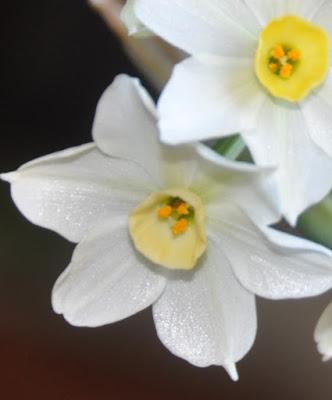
(323, 16)
(265, 10)
(250, 187)
(133, 24)
(106, 280)
(217, 27)
(317, 110)
(270, 263)
(323, 333)
(206, 316)
(71, 191)
(125, 124)
(204, 100)
(283, 139)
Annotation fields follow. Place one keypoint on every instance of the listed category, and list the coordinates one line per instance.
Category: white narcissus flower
(323, 333)
(259, 67)
(160, 226)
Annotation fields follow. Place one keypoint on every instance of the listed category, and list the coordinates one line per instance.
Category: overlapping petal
(209, 99)
(72, 191)
(207, 317)
(271, 263)
(106, 280)
(283, 139)
(251, 187)
(125, 125)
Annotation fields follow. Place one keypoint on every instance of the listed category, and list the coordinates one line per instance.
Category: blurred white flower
(323, 333)
(261, 68)
(161, 225)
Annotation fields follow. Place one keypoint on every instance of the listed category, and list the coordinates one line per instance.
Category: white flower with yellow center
(159, 225)
(259, 67)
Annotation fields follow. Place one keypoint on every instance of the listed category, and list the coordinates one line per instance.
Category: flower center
(292, 57)
(169, 228)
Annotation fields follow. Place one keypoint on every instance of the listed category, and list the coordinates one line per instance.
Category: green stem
(231, 147)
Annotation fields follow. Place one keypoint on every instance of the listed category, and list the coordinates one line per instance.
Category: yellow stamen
(278, 52)
(165, 212)
(286, 70)
(294, 55)
(182, 209)
(180, 226)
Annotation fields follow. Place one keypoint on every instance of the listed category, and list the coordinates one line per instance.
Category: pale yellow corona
(168, 228)
(292, 57)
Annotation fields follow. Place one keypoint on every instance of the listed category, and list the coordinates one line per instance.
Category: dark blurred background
(57, 57)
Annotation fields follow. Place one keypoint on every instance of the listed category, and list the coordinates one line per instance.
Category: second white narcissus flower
(160, 226)
(258, 67)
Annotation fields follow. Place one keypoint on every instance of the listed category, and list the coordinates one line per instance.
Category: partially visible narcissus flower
(160, 226)
(323, 333)
(259, 67)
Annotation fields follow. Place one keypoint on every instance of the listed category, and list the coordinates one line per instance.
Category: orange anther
(165, 212)
(286, 70)
(180, 226)
(182, 209)
(294, 55)
(278, 52)
(273, 67)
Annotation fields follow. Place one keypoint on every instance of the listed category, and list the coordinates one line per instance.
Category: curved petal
(317, 110)
(265, 10)
(125, 124)
(323, 333)
(73, 190)
(250, 187)
(133, 24)
(283, 139)
(225, 28)
(206, 316)
(271, 263)
(204, 100)
(106, 280)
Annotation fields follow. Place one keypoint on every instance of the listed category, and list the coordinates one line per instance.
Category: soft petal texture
(209, 100)
(74, 190)
(133, 24)
(225, 28)
(323, 15)
(106, 280)
(270, 263)
(265, 10)
(317, 110)
(250, 187)
(283, 139)
(206, 316)
(125, 124)
(323, 333)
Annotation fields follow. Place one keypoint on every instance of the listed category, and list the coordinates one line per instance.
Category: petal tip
(232, 371)
(8, 176)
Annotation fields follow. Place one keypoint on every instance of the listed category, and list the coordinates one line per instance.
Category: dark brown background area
(56, 59)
